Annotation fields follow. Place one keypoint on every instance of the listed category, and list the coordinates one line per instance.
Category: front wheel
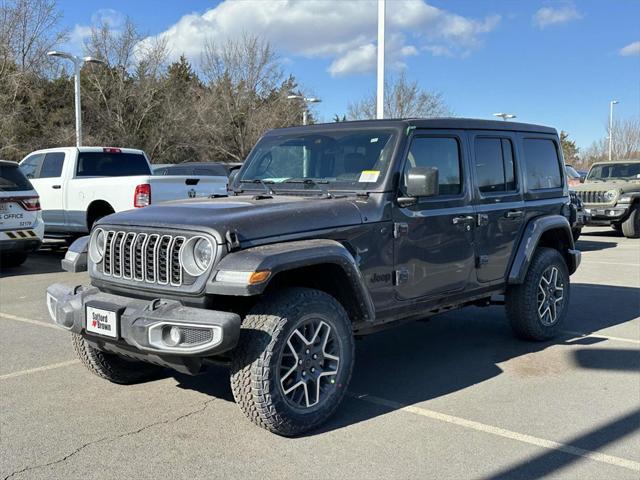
(112, 367)
(631, 226)
(294, 361)
(537, 308)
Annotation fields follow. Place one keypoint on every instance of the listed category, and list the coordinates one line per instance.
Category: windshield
(617, 171)
(341, 159)
(12, 179)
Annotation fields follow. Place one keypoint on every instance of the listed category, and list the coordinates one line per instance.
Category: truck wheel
(631, 226)
(112, 367)
(14, 259)
(294, 361)
(538, 307)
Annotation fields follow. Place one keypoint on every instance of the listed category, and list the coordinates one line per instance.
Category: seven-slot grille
(592, 196)
(143, 257)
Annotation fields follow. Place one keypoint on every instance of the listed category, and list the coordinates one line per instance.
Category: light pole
(78, 62)
(504, 116)
(380, 86)
(307, 101)
(611, 104)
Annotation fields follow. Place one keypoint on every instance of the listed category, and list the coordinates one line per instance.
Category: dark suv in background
(332, 231)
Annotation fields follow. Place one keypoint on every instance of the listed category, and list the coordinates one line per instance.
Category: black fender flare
(530, 240)
(280, 257)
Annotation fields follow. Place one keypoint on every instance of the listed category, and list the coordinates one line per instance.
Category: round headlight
(196, 255)
(96, 245)
(203, 253)
(610, 195)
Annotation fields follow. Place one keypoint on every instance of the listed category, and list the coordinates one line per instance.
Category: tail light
(31, 204)
(142, 196)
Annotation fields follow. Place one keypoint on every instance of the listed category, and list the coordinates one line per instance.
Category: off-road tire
(255, 367)
(11, 260)
(112, 367)
(522, 300)
(631, 226)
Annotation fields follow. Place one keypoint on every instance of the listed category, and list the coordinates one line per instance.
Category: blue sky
(551, 62)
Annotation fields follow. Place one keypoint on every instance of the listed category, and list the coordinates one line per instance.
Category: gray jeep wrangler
(611, 196)
(330, 232)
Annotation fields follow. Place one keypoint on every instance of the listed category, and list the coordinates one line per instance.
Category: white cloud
(344, 32)
(631, 49)
(114, 19)
(553, 16)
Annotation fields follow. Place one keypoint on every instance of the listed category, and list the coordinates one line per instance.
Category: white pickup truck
(79, 185)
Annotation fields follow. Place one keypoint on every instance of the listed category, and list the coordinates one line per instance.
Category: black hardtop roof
(430, 123)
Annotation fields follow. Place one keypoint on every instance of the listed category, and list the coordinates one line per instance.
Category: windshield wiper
(256, 181)
(311, 181)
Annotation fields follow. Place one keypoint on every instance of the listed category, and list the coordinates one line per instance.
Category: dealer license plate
(102, 322)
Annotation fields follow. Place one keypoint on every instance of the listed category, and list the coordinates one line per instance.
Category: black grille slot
(150, 256)
(163, 259)
(116, 252)
(176, 269)
(127, 255)
(138, 257)
(107, 266)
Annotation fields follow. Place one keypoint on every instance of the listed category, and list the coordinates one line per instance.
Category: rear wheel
(631, 226)
(294, 361)
(112, 367)
(10, 260)
(537, 308)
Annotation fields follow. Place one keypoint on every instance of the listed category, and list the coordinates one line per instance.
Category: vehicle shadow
(420, 361)
(45, 260)
(592, 246)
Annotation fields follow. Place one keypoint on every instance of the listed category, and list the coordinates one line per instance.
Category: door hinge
(400, 276)
(483, 219)
(400, 229)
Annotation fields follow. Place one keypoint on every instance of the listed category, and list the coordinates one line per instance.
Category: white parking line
(30, 321)
(501, 432)
(39, 369)
(607, 337)
(625, 264)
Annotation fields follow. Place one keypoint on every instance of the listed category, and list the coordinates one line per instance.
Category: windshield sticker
(374, 140)
(369, 176)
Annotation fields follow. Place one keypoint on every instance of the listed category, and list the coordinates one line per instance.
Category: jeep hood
(621, 185)
(250, 216)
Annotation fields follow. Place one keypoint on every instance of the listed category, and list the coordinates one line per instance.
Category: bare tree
(403, 99)
(626, 143)
(246, 95)
(28, 29)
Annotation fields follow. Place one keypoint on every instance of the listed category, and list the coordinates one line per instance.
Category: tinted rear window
(12, 179)
(542, 164)
(103, 164)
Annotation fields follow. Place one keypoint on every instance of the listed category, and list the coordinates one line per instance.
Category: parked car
(573, 177)
(79, 185)
(21, 226)
(611, 196)
(333, 231)
(197, 168)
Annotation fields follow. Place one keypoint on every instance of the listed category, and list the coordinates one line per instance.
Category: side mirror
(582, 178)
(422, 182)
(76, 258)
(232, 176)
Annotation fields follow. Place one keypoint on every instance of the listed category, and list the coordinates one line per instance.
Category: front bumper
(605, 215)
(141, 324)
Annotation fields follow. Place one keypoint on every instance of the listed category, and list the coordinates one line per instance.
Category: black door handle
(57, 187)
(514, 214)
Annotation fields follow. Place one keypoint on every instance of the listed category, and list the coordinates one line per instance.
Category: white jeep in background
(79, 185)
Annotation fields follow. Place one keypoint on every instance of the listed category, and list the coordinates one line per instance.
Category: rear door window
(543, 170)
(111, 164)
(52, 165)
(12, 179)
(495, 171)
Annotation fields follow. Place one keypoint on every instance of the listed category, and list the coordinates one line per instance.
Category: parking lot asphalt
(453, 397)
